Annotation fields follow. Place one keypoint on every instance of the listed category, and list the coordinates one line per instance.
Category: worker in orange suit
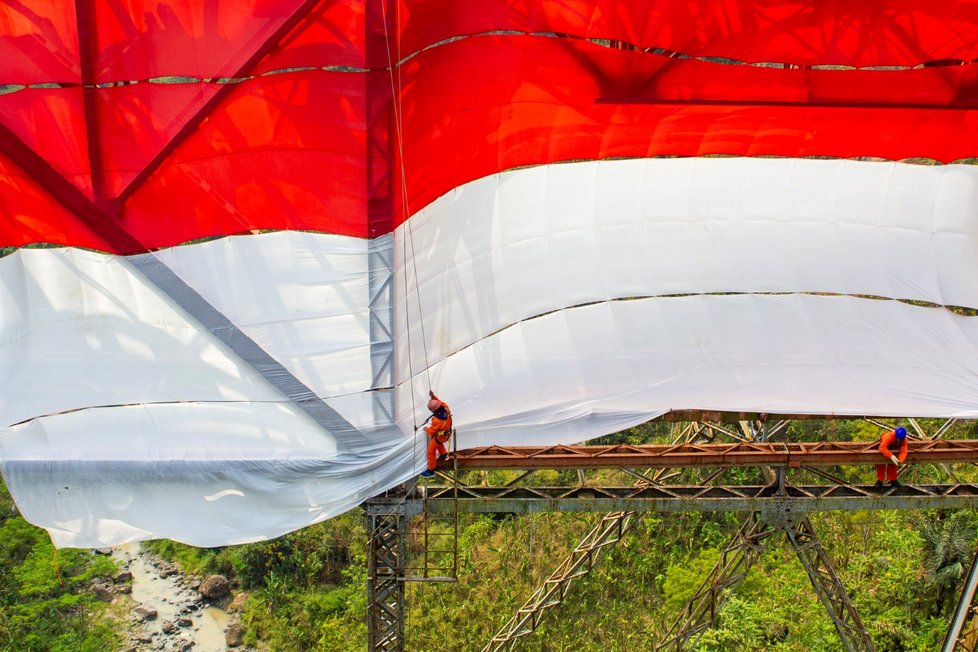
(893, 446)
(439, 431)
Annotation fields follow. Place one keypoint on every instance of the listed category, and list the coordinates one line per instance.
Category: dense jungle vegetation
(307, 589)
(45, 601)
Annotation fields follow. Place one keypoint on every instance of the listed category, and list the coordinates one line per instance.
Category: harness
(445, 415)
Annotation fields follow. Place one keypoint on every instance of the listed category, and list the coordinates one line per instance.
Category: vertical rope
(396, 87)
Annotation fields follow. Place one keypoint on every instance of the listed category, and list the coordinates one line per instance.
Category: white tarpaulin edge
(547, 300)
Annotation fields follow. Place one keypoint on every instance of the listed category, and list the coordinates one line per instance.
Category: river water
(170, 598)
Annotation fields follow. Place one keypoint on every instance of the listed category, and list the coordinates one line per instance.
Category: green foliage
(44, 599)
(308, 589)
(683, 580)
(948, 545)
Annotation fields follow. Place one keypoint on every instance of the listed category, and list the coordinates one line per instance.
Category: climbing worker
(893, 446)
(439, 431)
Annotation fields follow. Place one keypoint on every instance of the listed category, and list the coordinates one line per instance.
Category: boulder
(144, 612)
(214, 587)
(234, 635)
(238, 603)
(102, 593)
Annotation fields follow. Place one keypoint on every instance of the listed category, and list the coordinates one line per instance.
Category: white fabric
(79, 329)
(302, 295)
(522, 243)
(579, 373)
(196, 446)
(204, 474)
(542, 306)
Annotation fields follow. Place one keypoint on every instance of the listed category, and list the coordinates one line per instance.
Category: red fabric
(39, 42)
(351, 34)
(316, 149)
(542, 100)
(140, 39)
(282, 152)
(51, 121)
(137, 121)
(30, 214)
(842, 32)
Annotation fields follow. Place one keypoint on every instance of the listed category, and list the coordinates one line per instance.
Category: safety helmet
(901, 433)
(434, 404)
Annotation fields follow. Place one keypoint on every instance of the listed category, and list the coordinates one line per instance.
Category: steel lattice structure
(780, 506)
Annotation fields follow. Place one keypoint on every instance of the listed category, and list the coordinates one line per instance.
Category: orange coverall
(890, 445)
(439, 432)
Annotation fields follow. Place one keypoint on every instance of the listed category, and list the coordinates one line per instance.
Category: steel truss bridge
(659, 481)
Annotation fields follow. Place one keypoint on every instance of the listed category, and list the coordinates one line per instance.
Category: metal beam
(697, 498)
(552, 592)
(581, 560)
(954, 640)
(785, 454)
(828, 586)
(735, 561)
(386, 550)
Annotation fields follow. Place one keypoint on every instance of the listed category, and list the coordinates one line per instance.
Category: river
(172, 599)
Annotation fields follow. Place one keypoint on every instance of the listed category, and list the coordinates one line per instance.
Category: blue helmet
(901, 433)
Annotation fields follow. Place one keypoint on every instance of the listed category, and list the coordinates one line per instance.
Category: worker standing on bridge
(439, 431)
(893, 446)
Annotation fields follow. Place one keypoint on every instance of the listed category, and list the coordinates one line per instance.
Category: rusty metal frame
(698, 498)
(958, 637)
(552, 592)
(609, 531)
(386, 550)
(770, 508)
(386, 592)
(753, 453)
(701, 611)
(828, 586)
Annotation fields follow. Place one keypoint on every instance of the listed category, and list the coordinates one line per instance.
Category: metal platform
(699, 467)
(776, 454)
(694, 498)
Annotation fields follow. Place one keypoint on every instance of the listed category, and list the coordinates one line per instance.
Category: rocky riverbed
(175, 613)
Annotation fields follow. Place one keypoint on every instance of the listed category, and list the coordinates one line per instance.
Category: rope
(396, 88)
